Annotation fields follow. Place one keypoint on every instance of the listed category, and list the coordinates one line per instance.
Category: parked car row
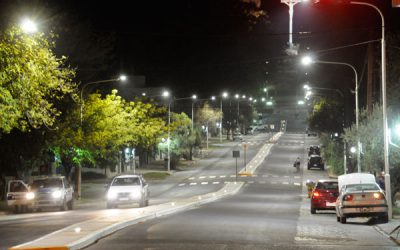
(353, 195)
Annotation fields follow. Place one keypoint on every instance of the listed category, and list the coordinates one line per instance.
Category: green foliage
(332, 154)
(327, 117)
(32, 80)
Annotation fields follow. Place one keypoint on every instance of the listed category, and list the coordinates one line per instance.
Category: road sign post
(236, 154)
(244, 156)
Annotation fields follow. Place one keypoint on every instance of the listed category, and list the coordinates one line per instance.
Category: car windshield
(315, 159)
(126, 181)
(327, 185)
(362, 187)
(47, 183)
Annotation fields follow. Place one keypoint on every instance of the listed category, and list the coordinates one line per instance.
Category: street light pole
(357, 110)
(384, 109)
(224, 95)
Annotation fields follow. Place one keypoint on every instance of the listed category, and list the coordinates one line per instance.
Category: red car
(324, 195)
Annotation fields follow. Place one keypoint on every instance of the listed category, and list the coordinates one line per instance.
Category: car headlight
(56, 194)
(135, 194)
(111, 194)
(30, 196)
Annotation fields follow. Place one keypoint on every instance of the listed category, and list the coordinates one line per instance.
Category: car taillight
(378, 196)
(316, 194)
(348, 197)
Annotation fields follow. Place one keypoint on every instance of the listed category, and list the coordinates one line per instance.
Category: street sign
(236, 153)
(245, 146)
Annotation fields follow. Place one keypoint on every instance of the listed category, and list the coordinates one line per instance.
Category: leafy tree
(370, 133)
(208, 116)
(327, 116)
(32, 80)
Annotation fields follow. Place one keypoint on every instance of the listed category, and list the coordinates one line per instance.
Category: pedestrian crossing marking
(193, 183)
(204, 183)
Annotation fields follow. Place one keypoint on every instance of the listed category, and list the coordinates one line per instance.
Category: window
(126, 181)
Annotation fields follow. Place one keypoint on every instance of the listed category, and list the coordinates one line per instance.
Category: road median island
(83, 234)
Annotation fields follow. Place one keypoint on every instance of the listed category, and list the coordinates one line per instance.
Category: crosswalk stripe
(182, 184)
(222, 176)
(193, 184)
(202, 177)
(204, 183)
(297, 184)
(216, 182)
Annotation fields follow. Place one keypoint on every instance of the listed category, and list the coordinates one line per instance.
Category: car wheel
(109, 205)
(313, 210)
(64, 206)
(384, 219)
(142, 202)
(337, 218)
(70, 204)
(323, 168)
(343, 219)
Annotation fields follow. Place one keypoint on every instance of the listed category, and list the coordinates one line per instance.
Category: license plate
(366, 209)
(330, 204)
(123, 199)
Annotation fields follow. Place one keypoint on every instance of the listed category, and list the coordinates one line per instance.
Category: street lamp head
(263, 99)
(225, 94)
(269, 103)
(165, 93)
(306, 87)
(237, 96)
(122, 78)
(143, 94)
(353, 150)
(194, 97)
(28, 26)
(213, 98)
(250, 98)
(243, 96)
(265, 89)
(307, 60)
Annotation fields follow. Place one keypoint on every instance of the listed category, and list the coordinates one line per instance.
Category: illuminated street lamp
(224, 95)
(384, 108)
(28, 26)
(307, 61)
(292, 50)
(166, 94)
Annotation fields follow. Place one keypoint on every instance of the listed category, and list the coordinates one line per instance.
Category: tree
(208, 116)
(327, 116)
(370, 133)
(32, 80)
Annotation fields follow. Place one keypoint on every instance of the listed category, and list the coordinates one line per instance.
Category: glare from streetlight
(307, 60)
(122, 78)
(28, 26)
(165, 93)
(194, 97)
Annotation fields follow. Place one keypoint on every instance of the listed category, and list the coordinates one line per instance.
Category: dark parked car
(324, 195)
(314, 150)
(315, 161)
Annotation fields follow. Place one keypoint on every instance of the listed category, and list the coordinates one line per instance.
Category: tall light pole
(121, 78)
(166, 94)
(384, 109)
(308, 60)
(194, 97)
(224, 95)
(292, 50)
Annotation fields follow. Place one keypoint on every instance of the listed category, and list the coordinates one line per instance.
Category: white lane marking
(297, 177)
(285, 183)
(193, 184)
(275, 176)
(182, 184)
(204, 183)
(286, 176)
(254, 175)
(297, 184)
(212, 177)
(222, 176)
(191, 178)
(202, 177)
(233, 175)
(265, 175)
(216, 182)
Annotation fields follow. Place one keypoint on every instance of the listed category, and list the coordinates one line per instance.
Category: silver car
(52, 192)
(361, 200)
(127, 189)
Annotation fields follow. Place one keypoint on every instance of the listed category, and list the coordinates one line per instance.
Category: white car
(127, 189)
(361, 200)
(18, 196)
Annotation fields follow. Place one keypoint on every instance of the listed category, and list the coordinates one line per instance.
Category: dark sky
(207, 46)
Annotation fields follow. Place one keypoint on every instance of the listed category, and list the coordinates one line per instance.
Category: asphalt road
(17, 229)
(270, 212)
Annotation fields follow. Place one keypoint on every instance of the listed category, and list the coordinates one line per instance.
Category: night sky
(208, 46)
